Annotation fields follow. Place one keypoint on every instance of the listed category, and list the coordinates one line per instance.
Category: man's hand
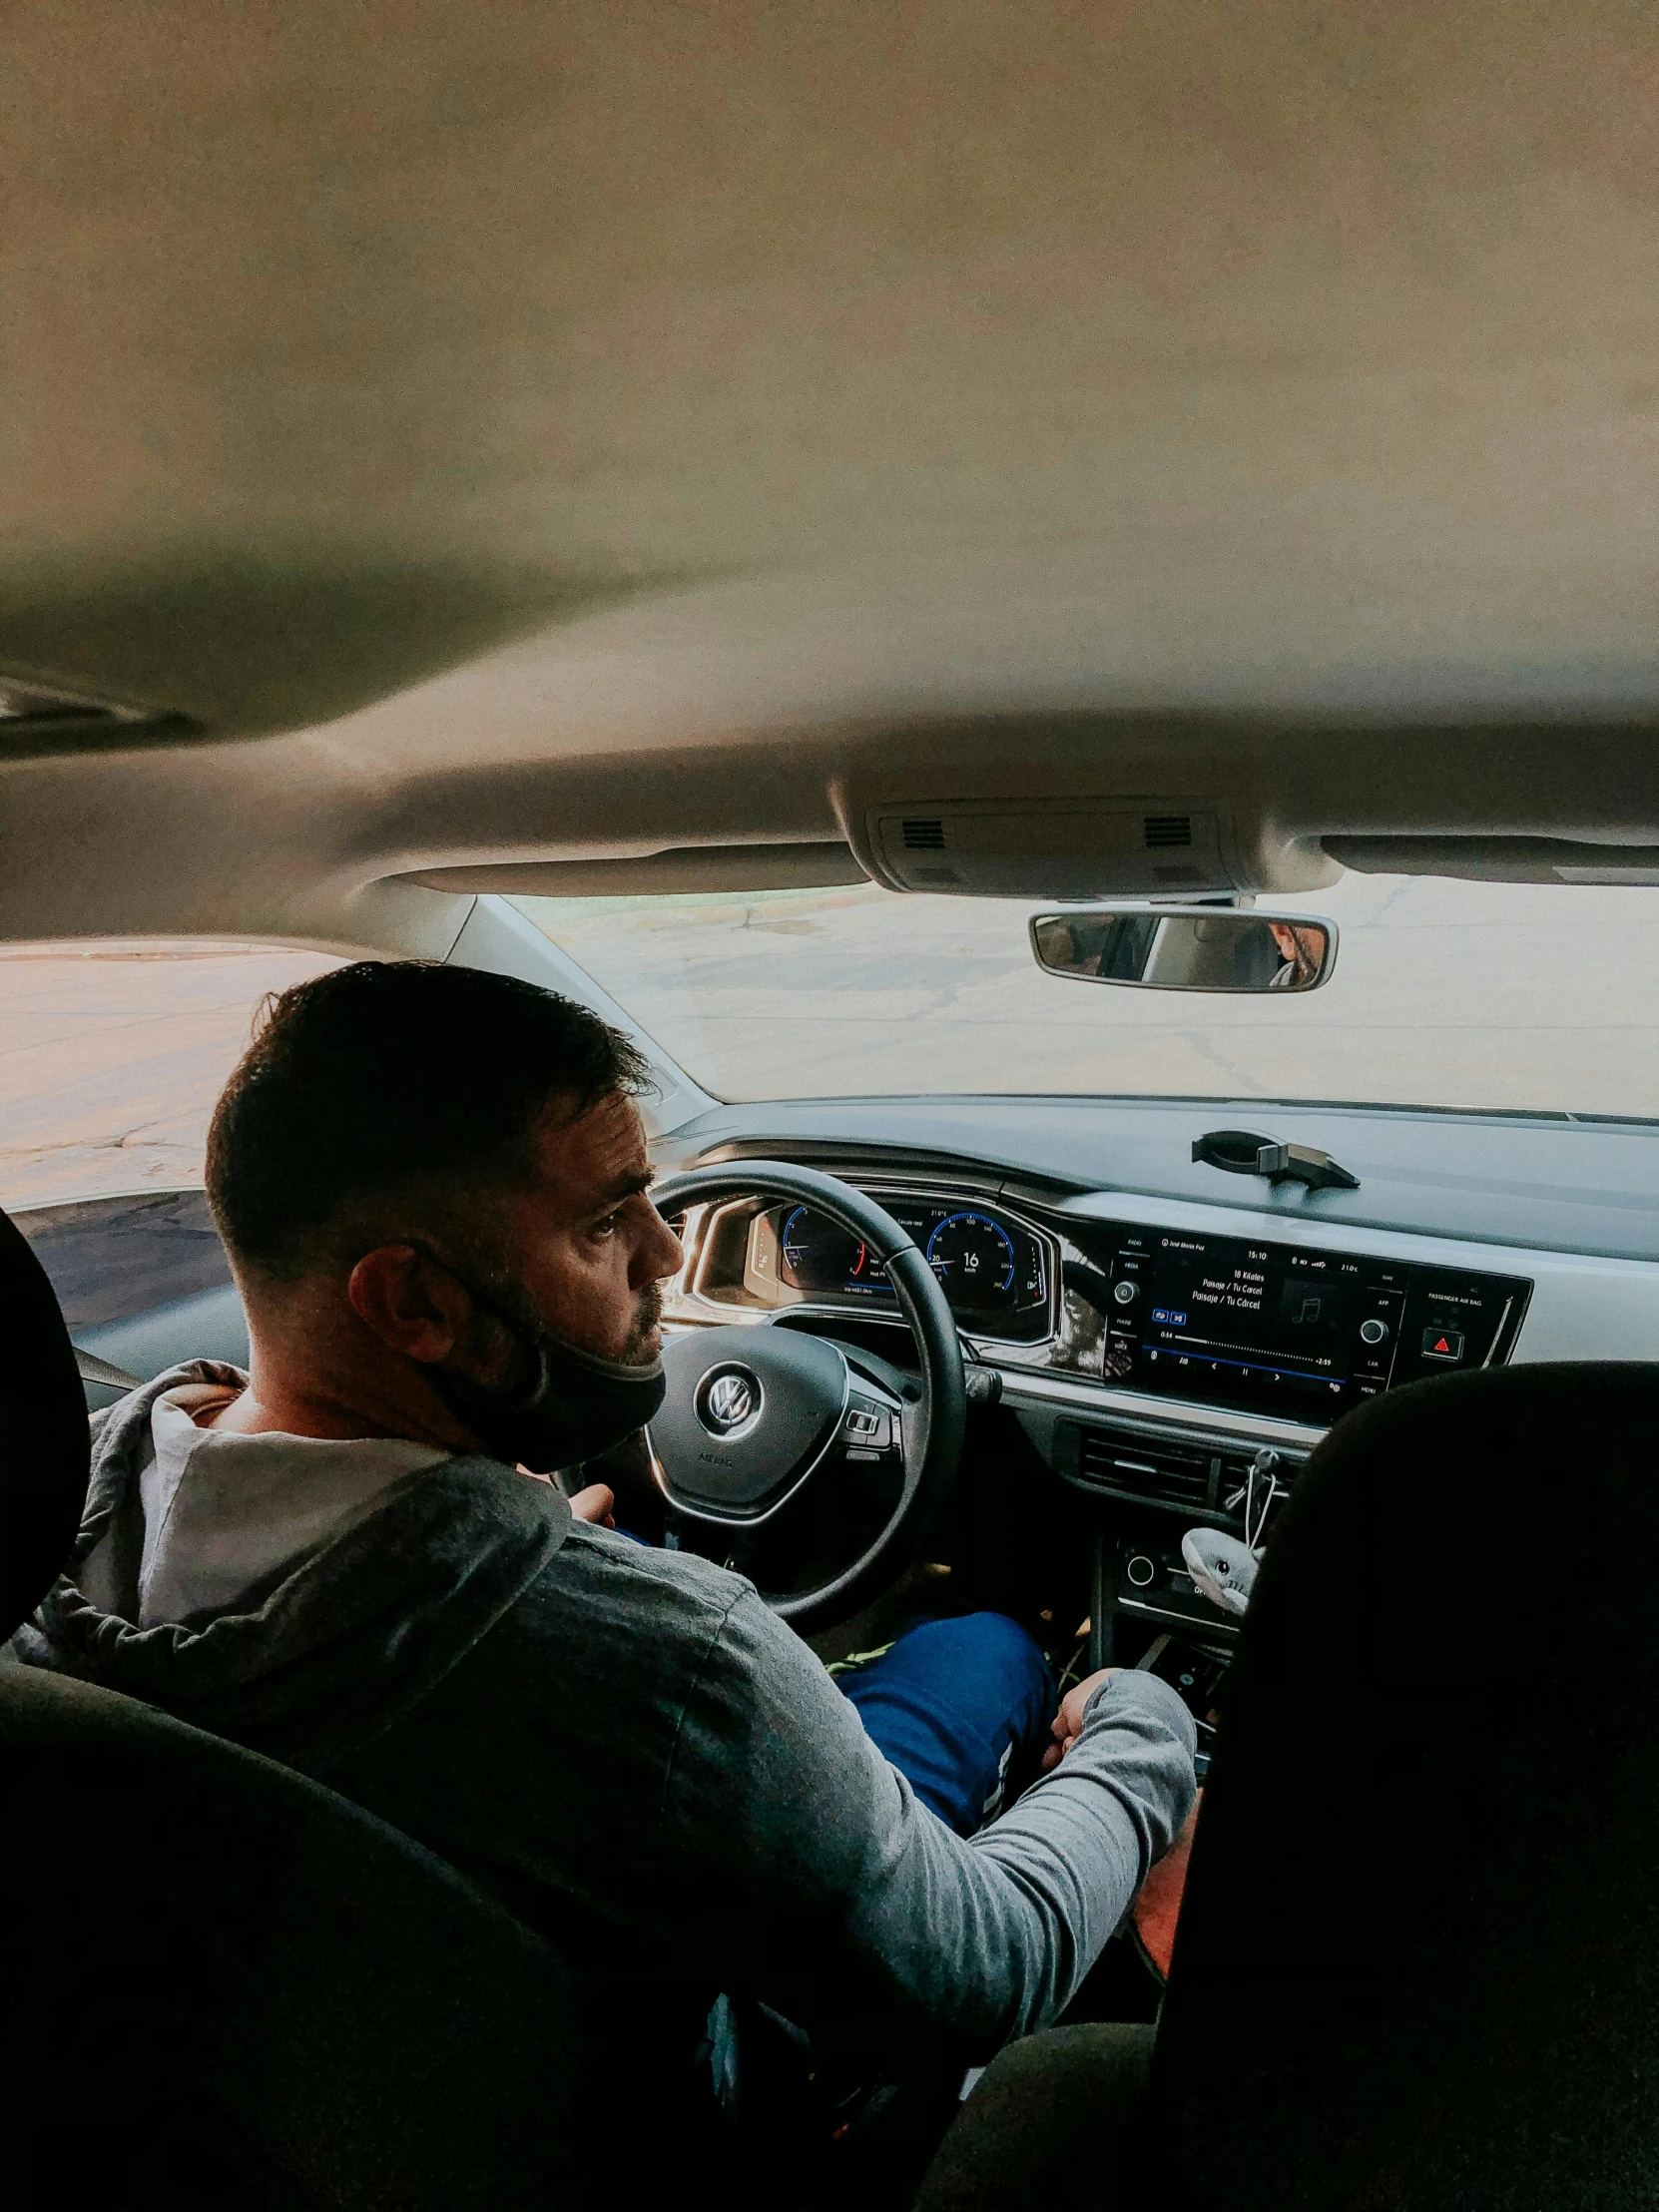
(1068, 1721)
(594, 1504)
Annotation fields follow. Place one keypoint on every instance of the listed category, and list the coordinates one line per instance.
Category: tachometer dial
(818, 1255)
(974, 1257)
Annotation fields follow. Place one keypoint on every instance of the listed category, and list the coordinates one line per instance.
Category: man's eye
(608, 1227)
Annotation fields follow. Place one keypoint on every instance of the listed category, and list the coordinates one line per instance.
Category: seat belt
(93, 1369)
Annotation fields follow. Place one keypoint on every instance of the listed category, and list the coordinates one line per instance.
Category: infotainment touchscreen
(1305, 1331)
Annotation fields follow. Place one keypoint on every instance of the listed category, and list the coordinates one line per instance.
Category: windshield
(1536, 997)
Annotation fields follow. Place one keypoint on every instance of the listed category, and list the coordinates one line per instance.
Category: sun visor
(36, 719)
(696, 868)
(1484, 860)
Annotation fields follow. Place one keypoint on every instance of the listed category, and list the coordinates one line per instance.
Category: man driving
(432, 1185)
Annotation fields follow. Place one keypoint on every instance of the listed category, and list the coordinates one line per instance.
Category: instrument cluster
(997, 1274)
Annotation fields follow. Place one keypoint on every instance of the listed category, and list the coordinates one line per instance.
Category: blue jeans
(954, 1705)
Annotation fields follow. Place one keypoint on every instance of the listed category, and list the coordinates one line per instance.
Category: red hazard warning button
(1443, 1343)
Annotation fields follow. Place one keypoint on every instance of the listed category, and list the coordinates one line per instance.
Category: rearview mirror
(1185, 948)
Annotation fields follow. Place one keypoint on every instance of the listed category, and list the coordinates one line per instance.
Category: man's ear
(413, 1306)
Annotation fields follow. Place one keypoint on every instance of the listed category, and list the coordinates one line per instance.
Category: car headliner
(453, 413)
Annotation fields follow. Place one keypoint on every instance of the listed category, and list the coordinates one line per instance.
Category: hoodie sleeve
(804, 1853)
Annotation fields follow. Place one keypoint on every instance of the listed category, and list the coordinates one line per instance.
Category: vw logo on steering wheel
(728, 1398)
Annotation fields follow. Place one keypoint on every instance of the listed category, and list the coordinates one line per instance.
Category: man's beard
(638, 1351)
(560, 1405)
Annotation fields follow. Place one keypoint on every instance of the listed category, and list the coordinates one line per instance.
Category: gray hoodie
(629, 1747)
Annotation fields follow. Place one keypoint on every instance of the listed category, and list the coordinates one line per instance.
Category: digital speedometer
(974, 1257)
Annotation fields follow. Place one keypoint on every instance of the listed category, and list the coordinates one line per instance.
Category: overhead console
(1082, 848)
(1301, 1332)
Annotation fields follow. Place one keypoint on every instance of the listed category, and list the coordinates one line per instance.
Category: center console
(1288, 1336)
(1301, 1332)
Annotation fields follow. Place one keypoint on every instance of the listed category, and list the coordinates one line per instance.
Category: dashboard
(1299, 1333)
(1159, 1329)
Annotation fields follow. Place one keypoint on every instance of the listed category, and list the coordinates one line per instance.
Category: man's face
(579, 1240)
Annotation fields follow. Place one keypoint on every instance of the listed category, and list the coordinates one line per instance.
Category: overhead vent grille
(1162, 1473)
(1080, 849)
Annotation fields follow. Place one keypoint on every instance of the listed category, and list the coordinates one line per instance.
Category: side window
(110, 1259)
(112, 1056)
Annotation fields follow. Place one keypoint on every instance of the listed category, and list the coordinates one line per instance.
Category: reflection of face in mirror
(1189, 949)
(1302, 951)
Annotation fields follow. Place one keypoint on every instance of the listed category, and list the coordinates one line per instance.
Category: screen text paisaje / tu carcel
(1244, 1291)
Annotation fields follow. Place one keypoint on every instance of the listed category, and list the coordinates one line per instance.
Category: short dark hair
(385, 1074)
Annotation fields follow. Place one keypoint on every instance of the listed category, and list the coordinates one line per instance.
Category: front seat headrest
(45, 1447)
(1417, 1961)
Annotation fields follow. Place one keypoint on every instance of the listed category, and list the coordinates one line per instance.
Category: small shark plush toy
(1223, 1567)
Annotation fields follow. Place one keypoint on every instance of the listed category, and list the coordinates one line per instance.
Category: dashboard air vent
(1163, 832)
(1148, 1467)
(923, 835)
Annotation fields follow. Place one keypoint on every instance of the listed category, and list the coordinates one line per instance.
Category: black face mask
(570, 1405)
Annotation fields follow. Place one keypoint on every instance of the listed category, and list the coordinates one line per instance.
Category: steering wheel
(753, 1414)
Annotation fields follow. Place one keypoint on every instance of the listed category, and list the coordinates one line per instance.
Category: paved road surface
(110, 1058)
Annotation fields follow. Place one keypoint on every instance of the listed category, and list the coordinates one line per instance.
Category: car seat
(1418, 1960)
(222, 1984)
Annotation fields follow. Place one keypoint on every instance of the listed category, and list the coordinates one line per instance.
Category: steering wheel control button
(728, 1399)
(1374, 1332)
(1126, 1289)
(1141, 1572)
(867, 1426)
(1443, 1343)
